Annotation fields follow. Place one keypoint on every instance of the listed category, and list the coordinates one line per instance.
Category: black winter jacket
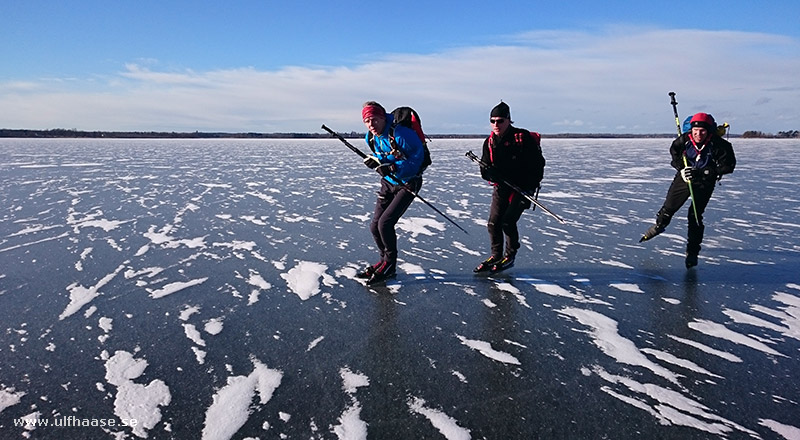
(723, 160)
(516, 157)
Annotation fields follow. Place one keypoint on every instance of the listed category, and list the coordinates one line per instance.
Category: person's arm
(725, 158)
(676, 151)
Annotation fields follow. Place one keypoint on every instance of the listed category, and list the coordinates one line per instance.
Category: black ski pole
(533, 200)
(392, 176)
(685, 161)
(675, 111)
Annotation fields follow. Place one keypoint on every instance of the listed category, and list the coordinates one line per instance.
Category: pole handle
(675, 112)
(672, 98)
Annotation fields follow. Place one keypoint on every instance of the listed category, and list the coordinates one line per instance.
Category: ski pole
(392, 176)
(533, 200)
(675, 111)
(685, 161)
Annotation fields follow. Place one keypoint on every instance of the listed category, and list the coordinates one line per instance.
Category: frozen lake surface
(206, 290)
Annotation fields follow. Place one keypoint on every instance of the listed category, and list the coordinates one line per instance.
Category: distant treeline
(71, 133)
(780, 135)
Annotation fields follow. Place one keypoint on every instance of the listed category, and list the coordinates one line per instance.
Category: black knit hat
(501, 111)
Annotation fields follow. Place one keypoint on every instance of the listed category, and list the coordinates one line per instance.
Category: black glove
(372, 162)
(491, 174)
(386, 169)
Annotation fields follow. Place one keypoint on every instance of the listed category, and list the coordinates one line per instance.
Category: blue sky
(267, 66)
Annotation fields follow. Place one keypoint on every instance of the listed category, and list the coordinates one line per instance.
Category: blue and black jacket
(399, 146)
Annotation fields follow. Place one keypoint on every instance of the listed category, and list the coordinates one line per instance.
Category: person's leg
(496, 218)
(696, 228)
(401, 198)
(400, 201)
(677, 194)
(517, 204)
(382, 203)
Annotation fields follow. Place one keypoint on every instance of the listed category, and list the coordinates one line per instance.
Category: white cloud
(554, 81)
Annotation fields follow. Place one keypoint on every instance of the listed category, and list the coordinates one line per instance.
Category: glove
(686, 174)
(689, 174)
(491, 174)
(372, 162)
(386, 169)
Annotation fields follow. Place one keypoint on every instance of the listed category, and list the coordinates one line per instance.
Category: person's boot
(693, 244)
(383, 272)
(487, 264)
(691, 260)
(368, 271)
(505, 263)
(651, 232)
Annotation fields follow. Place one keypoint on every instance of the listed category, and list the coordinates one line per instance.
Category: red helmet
(703, 120)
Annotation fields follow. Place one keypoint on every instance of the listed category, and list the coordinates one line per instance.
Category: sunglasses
(497, 120)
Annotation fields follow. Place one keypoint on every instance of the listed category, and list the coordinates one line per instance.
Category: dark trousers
(507, 207)
(677, 194)
(392, 203)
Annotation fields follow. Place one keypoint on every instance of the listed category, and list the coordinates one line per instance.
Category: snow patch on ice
(463, 248)
(627, 287)
(705, 348)
(213, 326)
(553, 289)
(507, 287)
(616, 264)
(9, 397)
(441, 421)
(720, 331)
(314, 343)
(79, 296)
(133, 400)
(304, 279)
(352, 381)
(231, 405)
(419, 225)
(669, 406)
(788, 432)
(350, 426)
(171, 288)
(486, 349)
(606, 337)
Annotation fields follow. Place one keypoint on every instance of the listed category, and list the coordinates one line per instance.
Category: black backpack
(408, 117)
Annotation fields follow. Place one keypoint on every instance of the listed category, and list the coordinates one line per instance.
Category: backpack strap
(491, 148)
(395, 149)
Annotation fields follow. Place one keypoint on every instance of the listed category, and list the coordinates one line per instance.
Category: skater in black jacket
(701, 157)
(514, 155)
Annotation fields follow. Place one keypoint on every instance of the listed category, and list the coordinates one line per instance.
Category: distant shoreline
(64, 133)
